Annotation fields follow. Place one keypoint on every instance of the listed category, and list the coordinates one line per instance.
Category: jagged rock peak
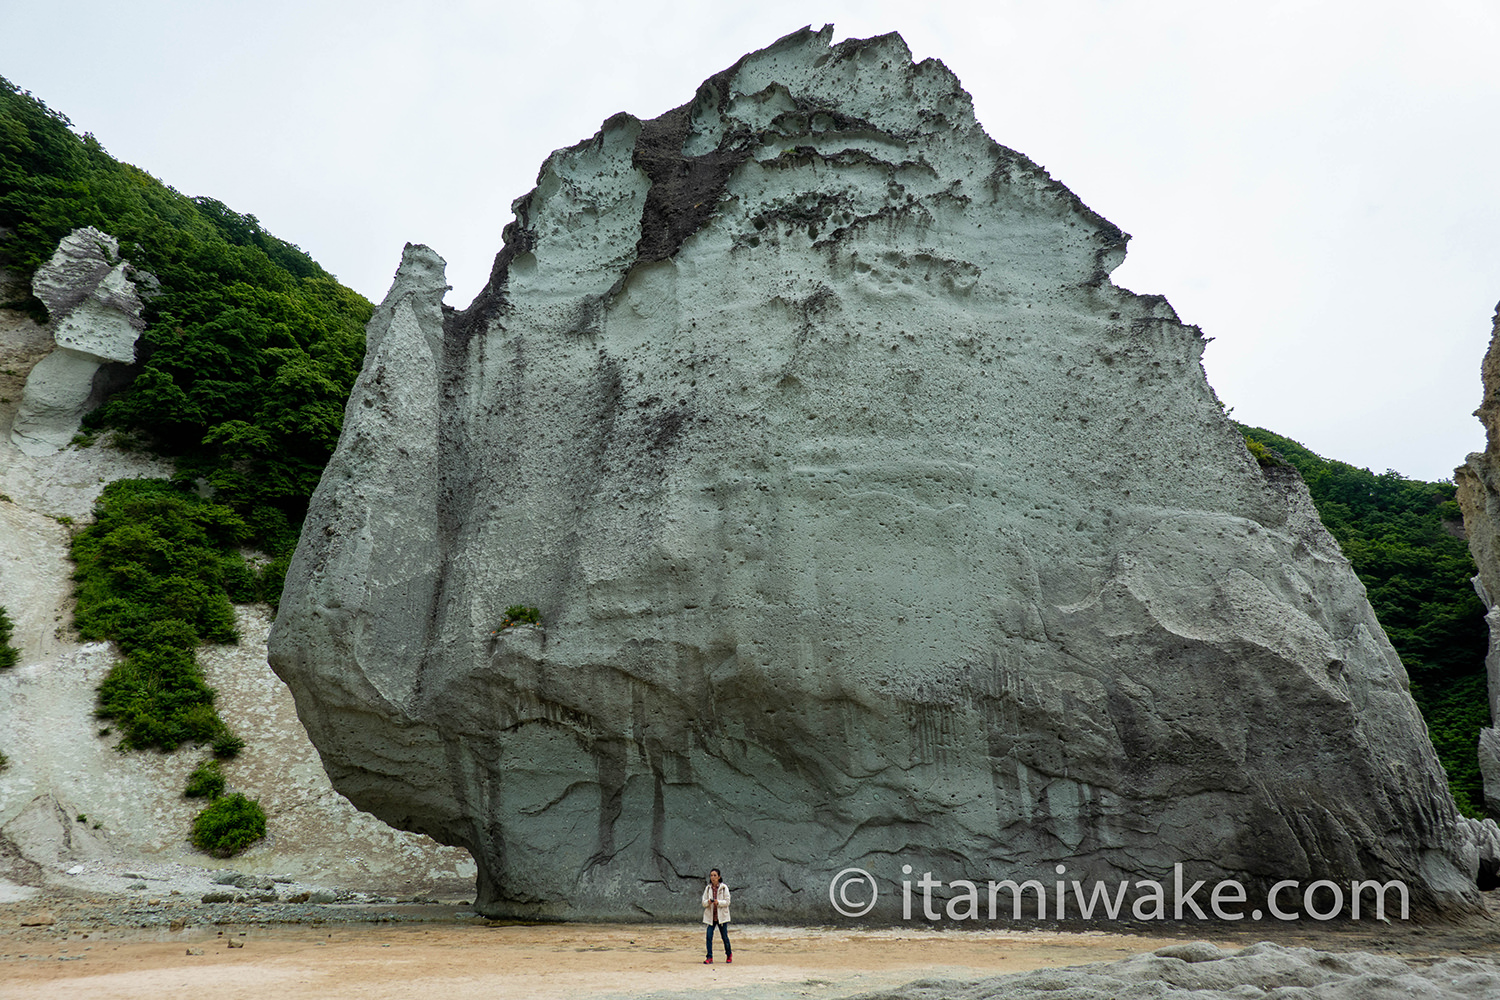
(859, 108)
(870, 524)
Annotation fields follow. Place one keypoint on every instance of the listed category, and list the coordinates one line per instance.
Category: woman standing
(716, 914)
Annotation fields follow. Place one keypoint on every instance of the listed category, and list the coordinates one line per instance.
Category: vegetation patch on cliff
(8, 653)
(228, 826)
(155, 573)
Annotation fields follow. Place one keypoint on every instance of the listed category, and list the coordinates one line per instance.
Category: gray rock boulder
(95, 317)
(1489, 753)
(871, 525)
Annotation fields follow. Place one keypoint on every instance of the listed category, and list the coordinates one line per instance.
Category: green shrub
(229, 825)
(237, 578)
(273, 579)
(151, 574)
(206, 781)
(226, 744)
(157, 693)
(4, 762)
(1265, 456)
(155, 552)
(520, 614)
(8, 653)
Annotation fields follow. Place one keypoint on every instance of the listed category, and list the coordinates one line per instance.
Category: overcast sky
(1313, 184)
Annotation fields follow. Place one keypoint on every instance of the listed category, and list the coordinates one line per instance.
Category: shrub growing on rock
(206, 781)
(227, 745)
(228, 826)
(151, 576)
(8, 653)
(520, 614)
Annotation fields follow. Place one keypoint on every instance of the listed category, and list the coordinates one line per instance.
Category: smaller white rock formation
(95, 311)
(1478, 482)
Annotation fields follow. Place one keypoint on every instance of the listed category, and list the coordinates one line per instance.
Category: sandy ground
(531, 961)
(99, 949)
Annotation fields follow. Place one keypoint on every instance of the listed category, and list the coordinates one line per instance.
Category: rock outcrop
(94, 310)
(1478, 482)
(1201, 971)
(870, 523)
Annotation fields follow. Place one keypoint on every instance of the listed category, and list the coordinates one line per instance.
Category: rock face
(870, 523)
(95, 318)
(1478, 482)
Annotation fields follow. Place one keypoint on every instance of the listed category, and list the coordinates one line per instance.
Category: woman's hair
(715, 871)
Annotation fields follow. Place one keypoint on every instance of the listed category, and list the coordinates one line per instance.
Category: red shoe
(708, 961)
(728, 959)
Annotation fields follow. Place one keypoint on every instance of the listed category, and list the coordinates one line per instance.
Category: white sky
(1312, 183)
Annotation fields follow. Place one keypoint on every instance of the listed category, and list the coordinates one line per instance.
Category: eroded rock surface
(870, 524)
(94, 312)
(1201, 971)
(1478, 482)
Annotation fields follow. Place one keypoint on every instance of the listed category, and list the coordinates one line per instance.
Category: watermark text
(854, 893)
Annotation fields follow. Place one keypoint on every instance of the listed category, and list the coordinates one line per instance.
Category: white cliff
(61, 767)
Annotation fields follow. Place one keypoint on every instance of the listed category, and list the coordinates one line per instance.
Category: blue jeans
(723, 933)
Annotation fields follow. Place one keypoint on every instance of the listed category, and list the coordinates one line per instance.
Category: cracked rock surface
(870, 525)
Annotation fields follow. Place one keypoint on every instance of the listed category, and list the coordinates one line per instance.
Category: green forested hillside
(1404, 539)
(249, 352)
(251, 348)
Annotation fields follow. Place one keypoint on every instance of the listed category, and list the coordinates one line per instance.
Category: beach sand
(447, 952)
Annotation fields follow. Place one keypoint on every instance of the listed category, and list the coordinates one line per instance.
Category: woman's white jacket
(708, 898)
